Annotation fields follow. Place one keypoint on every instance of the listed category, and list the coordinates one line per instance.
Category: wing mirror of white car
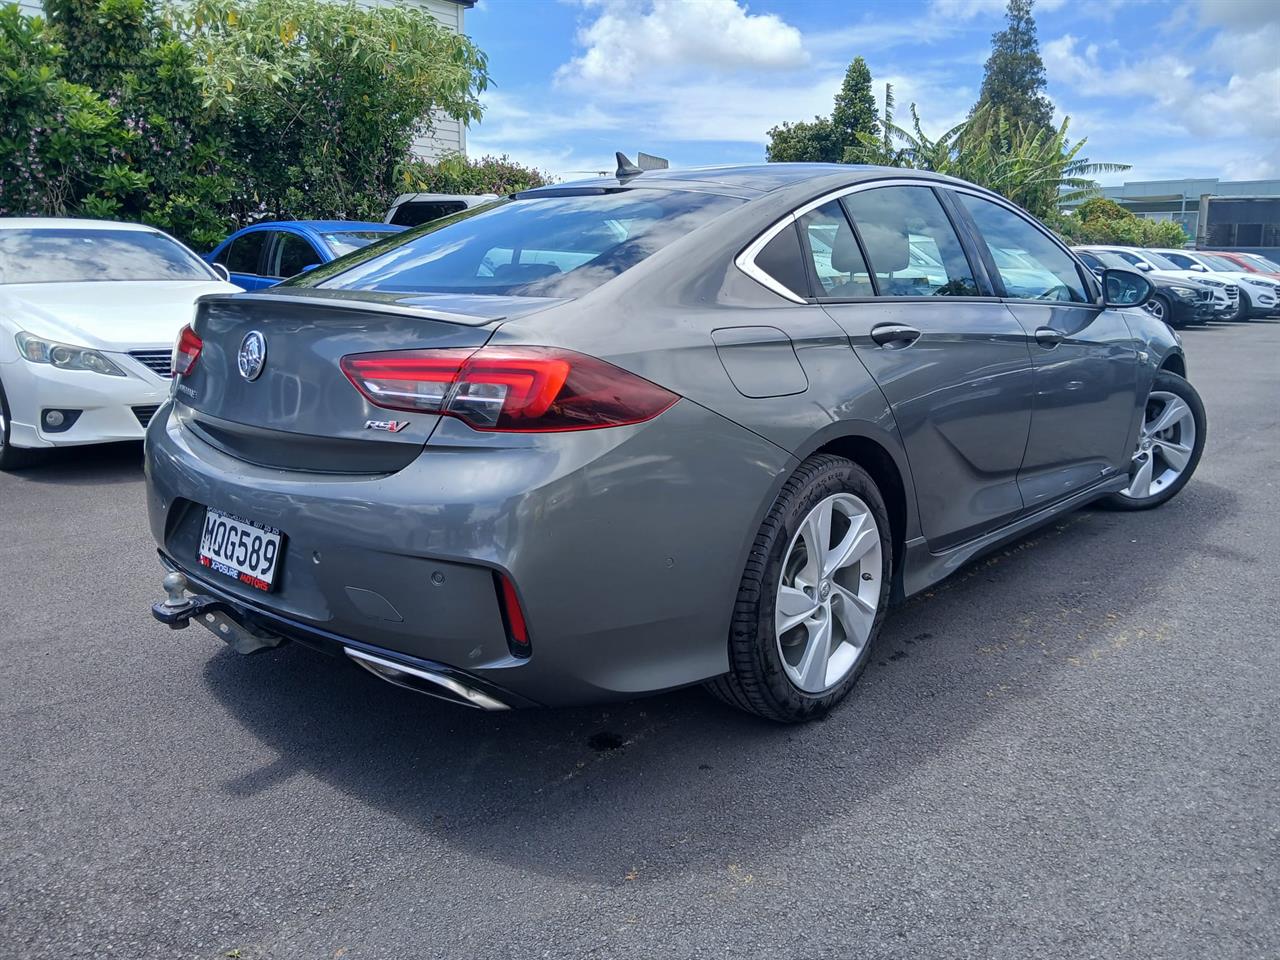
(223, 273)
(1125, 288)
(1144, 266)
(1199, 268)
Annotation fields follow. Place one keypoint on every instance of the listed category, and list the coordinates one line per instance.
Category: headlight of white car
(64, 356)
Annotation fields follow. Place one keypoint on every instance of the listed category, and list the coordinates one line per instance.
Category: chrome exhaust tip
(424, 681)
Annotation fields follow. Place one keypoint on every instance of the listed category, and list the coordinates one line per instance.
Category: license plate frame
(238, 548)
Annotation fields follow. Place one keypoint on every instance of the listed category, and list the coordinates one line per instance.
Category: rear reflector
(513, 616)
(521, 389)
(186, 351)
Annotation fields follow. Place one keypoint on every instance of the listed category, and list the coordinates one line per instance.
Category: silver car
(614, 437)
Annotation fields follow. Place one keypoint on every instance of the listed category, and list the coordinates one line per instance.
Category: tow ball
(218, 616)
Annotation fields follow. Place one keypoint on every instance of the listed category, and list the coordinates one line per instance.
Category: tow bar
(178, 609)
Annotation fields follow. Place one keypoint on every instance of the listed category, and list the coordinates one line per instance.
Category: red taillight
(186, 351)
(534, 389)
(513, 616)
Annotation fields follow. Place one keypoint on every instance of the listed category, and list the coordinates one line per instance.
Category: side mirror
(1199, 268)
(1124, 288)
(221, 270)
(1144, 266)
(309, 267)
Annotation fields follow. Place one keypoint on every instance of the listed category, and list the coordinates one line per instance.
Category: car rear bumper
(625, 547)
(98, 408)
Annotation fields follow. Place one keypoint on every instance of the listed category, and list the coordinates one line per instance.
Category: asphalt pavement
(1070, 749)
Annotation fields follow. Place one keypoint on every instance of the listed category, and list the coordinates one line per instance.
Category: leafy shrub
(456, 173)
(1099, 220)
(64, 147)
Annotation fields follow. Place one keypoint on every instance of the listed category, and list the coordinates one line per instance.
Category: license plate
(247, 551)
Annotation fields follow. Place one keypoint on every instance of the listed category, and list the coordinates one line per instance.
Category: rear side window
(910, 243)
(1030, 264)
(783, 260)
(414, 212)
(244, 253)
(293, 255)
(837, 261)
(559, 245)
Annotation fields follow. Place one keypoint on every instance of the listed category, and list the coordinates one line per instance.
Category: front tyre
(1170, 443)
(11, 457)
(813, 595)
(1160, 308)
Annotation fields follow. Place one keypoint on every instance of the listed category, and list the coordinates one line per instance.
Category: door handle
(894, 333)
(1048, 337)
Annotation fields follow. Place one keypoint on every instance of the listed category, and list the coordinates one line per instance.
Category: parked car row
(1196, 286)
(90, 310)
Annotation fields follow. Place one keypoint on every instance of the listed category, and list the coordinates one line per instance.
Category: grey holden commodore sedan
(608, 438)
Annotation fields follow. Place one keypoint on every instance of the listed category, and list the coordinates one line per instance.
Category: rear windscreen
(547, 246)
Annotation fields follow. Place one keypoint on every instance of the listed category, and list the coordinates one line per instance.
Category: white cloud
(623, 46)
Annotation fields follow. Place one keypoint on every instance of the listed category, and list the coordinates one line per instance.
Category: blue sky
(1173, 88)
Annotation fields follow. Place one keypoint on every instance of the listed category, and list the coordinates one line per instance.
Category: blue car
(263, 254)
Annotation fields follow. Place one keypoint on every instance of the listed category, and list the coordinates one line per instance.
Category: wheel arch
(1175, 362)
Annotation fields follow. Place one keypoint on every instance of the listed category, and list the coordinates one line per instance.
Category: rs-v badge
(390, 426)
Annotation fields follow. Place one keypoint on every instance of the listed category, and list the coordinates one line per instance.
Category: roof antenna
(625, 167)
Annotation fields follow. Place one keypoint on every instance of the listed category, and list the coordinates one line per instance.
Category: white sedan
(89, 311)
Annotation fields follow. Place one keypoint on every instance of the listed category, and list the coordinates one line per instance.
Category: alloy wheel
(828, 593)
(1155, 308)
(1165, 444)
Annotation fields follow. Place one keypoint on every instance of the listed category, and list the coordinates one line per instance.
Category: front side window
(837, 261)
(1219, 264)
(556, 245)
(1030, 264)
(71, 255)
(910, 244)
(244, 253)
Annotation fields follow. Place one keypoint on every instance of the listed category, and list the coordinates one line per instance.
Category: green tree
(828, 139)
(854, 113)
(1100, 220)
(805, 141)
(131, 54)
(1013, 80)
(319, 102)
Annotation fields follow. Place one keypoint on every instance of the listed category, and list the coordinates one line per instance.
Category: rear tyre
(813, 595)
(1170, 443)
(11, 457)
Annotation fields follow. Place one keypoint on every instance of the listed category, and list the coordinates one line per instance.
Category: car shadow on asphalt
(89, 466)
(680, 782)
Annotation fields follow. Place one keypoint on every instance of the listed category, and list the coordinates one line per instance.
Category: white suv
(411, 209)
(1226, 295)
(1259, 295)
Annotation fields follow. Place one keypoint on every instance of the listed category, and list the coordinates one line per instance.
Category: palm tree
(1039, 169)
